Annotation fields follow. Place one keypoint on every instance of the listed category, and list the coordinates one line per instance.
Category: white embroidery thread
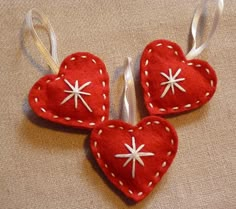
(76, 92)
(134, 155)
(172, 82)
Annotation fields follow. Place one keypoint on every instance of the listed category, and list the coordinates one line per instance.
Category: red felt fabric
(157, 135)
(199, 84)
(47, 94)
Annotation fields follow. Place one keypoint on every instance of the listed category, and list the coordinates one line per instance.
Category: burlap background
(43, 165)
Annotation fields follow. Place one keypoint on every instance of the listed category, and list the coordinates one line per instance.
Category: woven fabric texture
(46, 165)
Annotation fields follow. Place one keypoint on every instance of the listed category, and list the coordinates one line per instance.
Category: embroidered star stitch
(76, 92)
(172, 82)
(134, 155)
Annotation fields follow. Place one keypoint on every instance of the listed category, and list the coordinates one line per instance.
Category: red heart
(78, 96)
(112, 141)
(171, 84)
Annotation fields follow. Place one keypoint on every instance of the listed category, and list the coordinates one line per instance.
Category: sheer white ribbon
(195, 51)
(51, 58)
(129, 102)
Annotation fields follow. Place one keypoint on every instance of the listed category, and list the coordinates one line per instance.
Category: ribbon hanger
(195, 51)
(51, 58)
(129, 102)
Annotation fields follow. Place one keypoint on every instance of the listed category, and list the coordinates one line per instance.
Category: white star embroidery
(134, 155)
(172, 82)
(76, 92)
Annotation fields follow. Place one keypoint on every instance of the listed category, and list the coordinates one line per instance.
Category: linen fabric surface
(46, 165)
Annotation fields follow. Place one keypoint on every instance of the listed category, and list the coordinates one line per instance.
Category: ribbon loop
(51, 58)
(195, 51)
(129, 103)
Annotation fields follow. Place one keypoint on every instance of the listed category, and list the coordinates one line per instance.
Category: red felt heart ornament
(171, 84)
(134, 158)
(78, 96)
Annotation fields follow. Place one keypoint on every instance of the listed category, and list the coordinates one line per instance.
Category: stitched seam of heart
(36, 99)
(157, 174)
(146, 73)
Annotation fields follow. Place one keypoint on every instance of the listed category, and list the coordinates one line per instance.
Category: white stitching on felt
(212, 83)
(121, 183)
(130, 130)
(146, 73)
(42, 109)
(103, 118)
(130, 191)
(207, 70)
(95, 143)
(187, 105)
(157, 174)
(103, 84)
(172, 82)
(94, 61)
(76, 92)
(140, 193)
(134, 155)
(164, 164)
(167, 129)
(150, 184)
(100, 132)
(162, 109)
(58, 78)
